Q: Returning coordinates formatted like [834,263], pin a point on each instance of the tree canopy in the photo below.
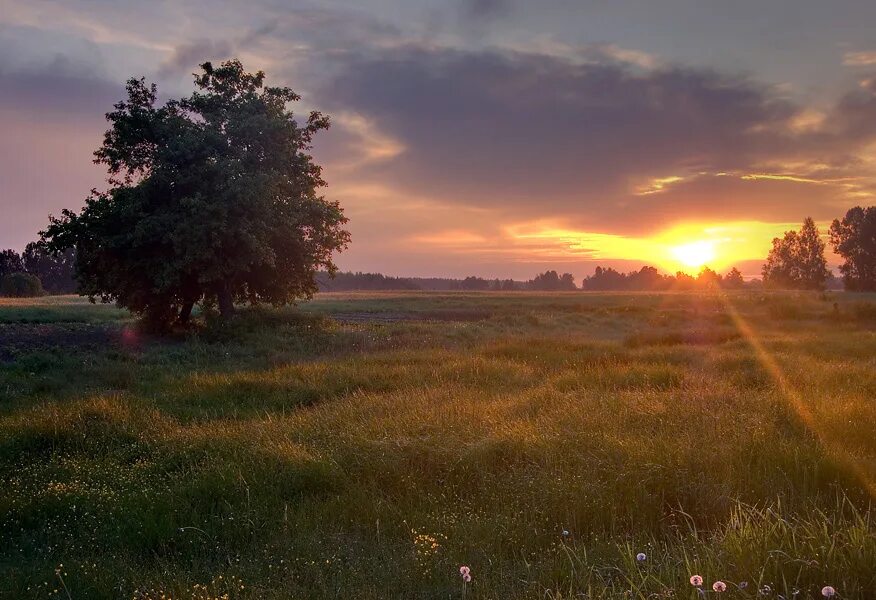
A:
[797,260]
[854,238]
[213,198]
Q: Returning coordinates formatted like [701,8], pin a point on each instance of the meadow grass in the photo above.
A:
[367,445]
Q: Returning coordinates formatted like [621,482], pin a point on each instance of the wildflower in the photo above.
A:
[719,586]
[565,533]
[765,590]
[743,585]
[696,580]
[463,570]
[466,577]
[828,592]
[641,556]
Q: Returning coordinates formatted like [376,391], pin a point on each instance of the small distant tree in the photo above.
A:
[604,279]
[854,238]
[779,270]
[20,285]
[473,283]
[708,278]
[812,263]
[733,279]
[214,197]
[10,262]
[56,270]
[683,281]
[551,281]
[646,279]
[797,260]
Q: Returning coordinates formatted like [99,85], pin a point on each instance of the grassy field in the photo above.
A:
[367,445]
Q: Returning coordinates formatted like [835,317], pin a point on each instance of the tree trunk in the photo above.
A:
[226,301]
[185,312]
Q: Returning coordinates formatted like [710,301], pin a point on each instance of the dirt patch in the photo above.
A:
[19,338]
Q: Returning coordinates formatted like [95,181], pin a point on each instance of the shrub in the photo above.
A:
[21,285]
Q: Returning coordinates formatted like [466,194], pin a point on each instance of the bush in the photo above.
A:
[21,285]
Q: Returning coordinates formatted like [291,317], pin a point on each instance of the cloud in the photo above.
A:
[860,59]
[524,134]
[439,138]
[185,58]
[484,10]
[61,89]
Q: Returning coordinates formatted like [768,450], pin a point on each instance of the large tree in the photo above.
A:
[854,238]
[797,260]
[213,197]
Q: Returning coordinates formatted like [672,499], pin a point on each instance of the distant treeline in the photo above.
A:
[348,281]
[604,279]
[36,271]
[649,279]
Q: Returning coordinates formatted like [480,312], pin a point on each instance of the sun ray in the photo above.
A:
[795,400]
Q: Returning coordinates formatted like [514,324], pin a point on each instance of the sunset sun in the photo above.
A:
[695,254]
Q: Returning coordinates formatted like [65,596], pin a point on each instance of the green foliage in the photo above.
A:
[854,238]
[797,261]
[20,285]
[213,199]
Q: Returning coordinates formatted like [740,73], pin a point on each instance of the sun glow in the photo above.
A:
[684,247]
[695,254]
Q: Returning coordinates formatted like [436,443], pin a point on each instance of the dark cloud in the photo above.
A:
[61,88]
[540,135]
[485,10]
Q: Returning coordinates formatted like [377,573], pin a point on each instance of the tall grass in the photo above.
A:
[545,445]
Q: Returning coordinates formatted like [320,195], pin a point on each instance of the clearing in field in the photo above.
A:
[369,445]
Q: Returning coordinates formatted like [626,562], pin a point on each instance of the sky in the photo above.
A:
[497,138]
